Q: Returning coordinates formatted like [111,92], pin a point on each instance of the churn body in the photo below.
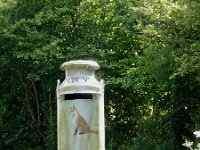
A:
[80,108]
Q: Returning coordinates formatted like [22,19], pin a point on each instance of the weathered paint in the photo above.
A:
[85,132]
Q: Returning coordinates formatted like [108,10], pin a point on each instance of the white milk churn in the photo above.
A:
[80,107]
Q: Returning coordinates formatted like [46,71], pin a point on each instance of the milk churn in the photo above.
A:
[80,107]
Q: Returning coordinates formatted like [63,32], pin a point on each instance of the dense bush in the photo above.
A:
[149,53]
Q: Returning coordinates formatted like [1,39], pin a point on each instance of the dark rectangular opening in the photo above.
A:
[78,96]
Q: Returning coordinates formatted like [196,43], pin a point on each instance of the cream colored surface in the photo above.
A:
[80,78]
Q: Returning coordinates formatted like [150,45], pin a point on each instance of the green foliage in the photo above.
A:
[149,57]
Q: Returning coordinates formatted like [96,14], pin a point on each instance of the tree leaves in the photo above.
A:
[149,57]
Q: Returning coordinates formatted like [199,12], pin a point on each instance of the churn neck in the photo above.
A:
[82,67]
